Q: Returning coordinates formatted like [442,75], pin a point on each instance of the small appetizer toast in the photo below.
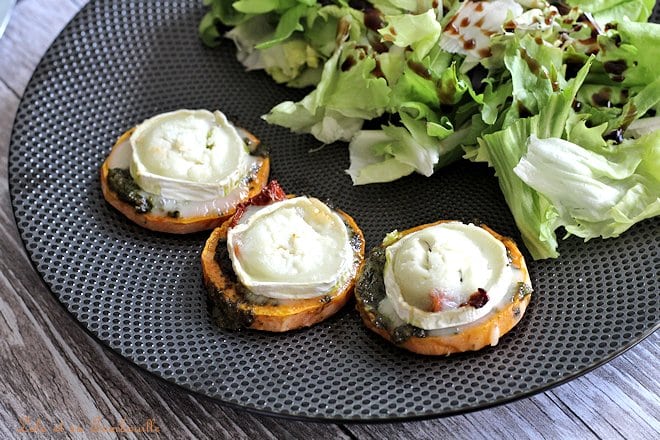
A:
[183,171]
[443,288]
[281,263]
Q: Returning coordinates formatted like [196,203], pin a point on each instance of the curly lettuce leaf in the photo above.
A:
[535,73]
[322,24]
[643,126]
[607,11]
[411,86]
[534,215]
[396,151]
[290,39]
[222,13]
[629,53]
[373,155]
[418,32]
[346,95]
[285,62]
[398,6]
[288,23]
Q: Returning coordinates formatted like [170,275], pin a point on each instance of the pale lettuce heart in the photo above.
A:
[641,127]
[594,194]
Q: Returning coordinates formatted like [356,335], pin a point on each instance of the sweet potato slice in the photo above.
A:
[178,225]
[474,336]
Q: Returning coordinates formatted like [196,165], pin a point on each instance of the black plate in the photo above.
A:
[140,293]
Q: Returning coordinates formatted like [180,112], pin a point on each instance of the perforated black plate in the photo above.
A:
[140,293]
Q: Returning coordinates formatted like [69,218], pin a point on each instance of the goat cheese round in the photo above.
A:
[446,275]
[191,155]
[293,249]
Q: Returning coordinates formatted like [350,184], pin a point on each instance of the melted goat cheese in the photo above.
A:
[294,249]
[439,268]
[192,155]
[190,198]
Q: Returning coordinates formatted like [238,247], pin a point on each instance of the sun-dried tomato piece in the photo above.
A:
[270,193]
[478,299]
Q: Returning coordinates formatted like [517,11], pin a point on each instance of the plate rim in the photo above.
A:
[374,419]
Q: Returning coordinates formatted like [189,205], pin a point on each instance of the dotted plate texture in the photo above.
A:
[141,293]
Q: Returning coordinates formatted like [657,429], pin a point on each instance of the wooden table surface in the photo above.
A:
[56,378]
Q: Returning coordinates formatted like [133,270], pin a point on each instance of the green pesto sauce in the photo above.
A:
[121,182]
[226,313]
[370,290]
[244,293]
[370,287]
[260,150]
[523,290]
[255,149]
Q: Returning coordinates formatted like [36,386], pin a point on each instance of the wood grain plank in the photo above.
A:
[89,381]
[39,350]
[534,417]
[8,105]
[619,387]
[32,28]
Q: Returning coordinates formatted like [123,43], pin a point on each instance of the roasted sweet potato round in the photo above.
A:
[370,290]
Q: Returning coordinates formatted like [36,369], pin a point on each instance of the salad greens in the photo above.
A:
[561,102]
[606,11]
